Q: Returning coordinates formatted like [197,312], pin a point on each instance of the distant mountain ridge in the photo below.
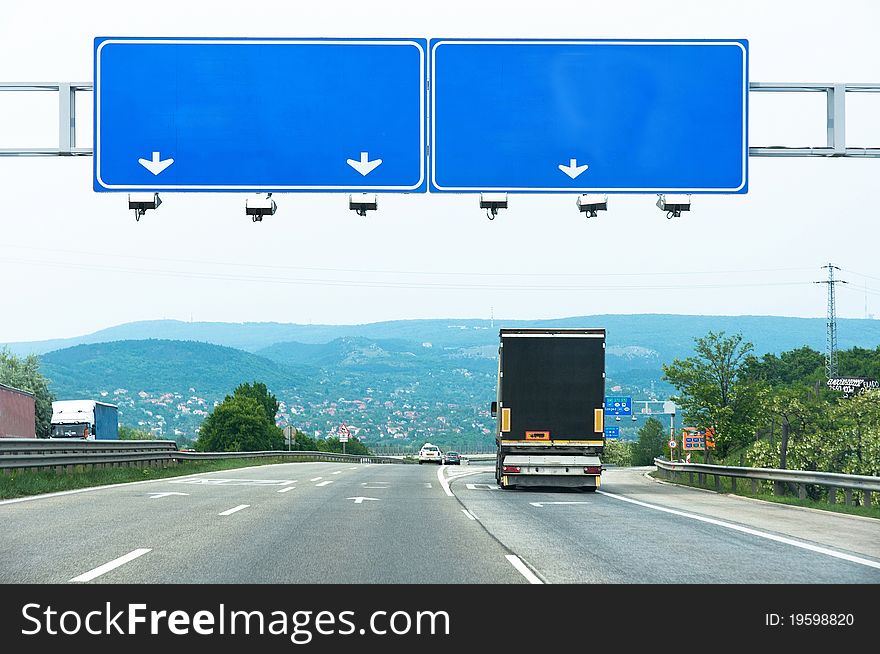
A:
[412,380]
[669,335]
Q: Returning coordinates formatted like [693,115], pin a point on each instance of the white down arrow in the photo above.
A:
[156,165]
[364,166]
[573,170]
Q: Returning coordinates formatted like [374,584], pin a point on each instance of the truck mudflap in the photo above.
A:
[566,471]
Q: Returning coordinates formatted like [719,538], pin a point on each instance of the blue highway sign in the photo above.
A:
[612,432]
[589,116]
[618,406]
[260,114]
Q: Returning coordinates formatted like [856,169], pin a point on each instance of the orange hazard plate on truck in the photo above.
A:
[537,435]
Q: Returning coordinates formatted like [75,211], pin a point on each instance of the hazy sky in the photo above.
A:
[73,261]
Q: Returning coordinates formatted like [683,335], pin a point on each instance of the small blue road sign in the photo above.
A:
[612,432]
[195,114]
[616,116]
[618,406]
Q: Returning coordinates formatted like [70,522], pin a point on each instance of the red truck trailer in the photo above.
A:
[17,413]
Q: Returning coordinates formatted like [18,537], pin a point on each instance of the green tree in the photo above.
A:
[127,433]
[239,424]
[618,453]
[261,394]
[715,390]
[651,443]
[303,443]
[24,373]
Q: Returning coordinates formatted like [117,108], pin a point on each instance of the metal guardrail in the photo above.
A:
[780,477]
[62,454]
[310,454]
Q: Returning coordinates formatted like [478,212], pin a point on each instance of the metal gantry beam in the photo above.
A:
[835,104]
[66,119]
[835,145]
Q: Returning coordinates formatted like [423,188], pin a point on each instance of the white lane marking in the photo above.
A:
[468,514]
[76,491]
[456,475]
[115,563]
[289,482]
[443,482]
[523,569]
[214,481]
[752,532]
[316,479]
[156,496]
[234,509]
[338,472]
[285,489]
[482,486]
[353,468]
[360,500]
[540,504]
[324,483]
[428,484]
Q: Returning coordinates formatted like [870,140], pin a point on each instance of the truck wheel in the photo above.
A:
[589,489]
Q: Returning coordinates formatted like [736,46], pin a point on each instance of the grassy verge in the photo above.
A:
[744,488]
[31,482]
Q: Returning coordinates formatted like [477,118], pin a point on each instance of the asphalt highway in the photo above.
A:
[365,524]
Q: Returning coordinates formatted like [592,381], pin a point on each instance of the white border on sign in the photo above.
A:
[221,187]
[580,189]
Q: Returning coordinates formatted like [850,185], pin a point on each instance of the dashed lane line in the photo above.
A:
[112,565]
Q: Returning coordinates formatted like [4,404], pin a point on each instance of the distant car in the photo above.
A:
[452,458]
[430,454]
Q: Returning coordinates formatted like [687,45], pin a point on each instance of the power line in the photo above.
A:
[391,284]
[406,272]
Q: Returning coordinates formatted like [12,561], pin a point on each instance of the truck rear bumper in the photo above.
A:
[556,481]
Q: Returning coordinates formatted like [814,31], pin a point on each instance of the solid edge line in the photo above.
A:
[443,482]
[107,567]
[765,502]
[523,569]
[468,514]
[234,509]
[752,532]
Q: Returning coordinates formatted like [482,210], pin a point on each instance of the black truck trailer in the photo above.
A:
[550,408]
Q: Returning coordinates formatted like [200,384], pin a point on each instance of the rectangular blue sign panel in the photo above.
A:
[260,114]
[612,432]
[589,116]
[618,406]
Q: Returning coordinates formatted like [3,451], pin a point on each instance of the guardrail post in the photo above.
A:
[832,495]
[733,484]
[867,501]
[802,491]
[847,496]
[718,483]
[754,486]
[690,477]
[778,488]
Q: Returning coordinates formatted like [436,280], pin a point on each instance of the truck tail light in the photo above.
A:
[592,470]
[512,469]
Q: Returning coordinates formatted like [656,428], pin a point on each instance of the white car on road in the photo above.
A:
[430,454]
